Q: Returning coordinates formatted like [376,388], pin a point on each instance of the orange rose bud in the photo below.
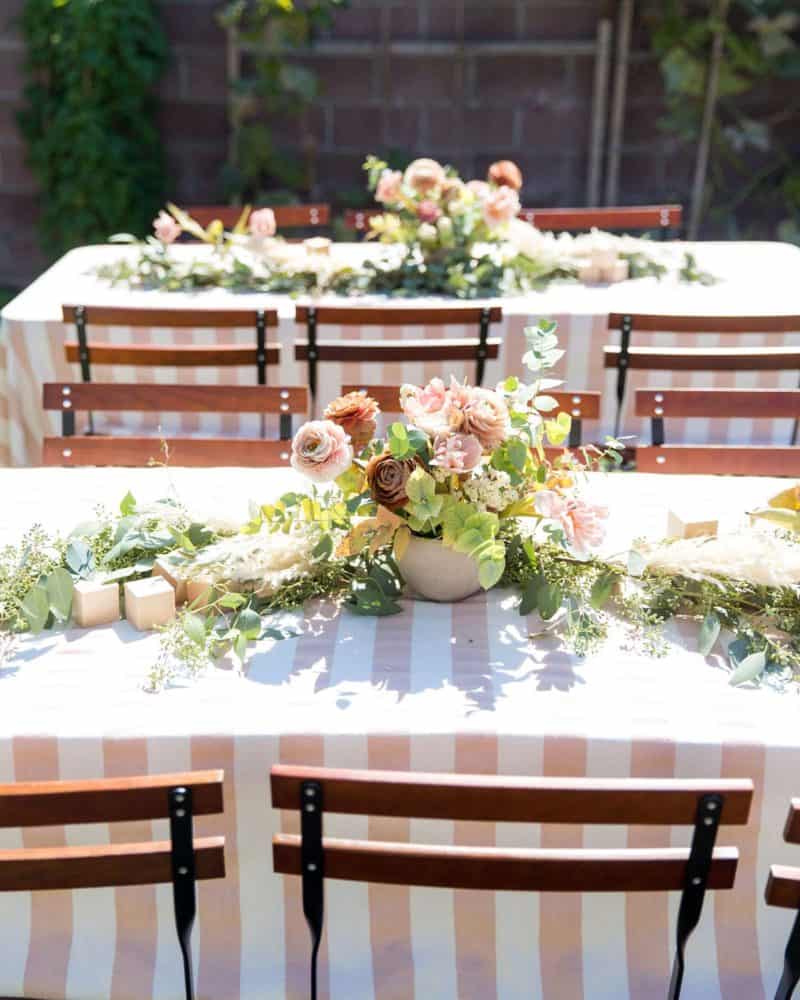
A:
[505,173]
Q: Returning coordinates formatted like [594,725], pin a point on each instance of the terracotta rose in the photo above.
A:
[387,477]
[505,173]
[355,412]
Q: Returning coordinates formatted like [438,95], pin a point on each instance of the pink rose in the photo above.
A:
[389,185]
[480,412]
[456,452]
[424,176]
[166,228]
[321,450]
[581,522]
[479,188]
[425,408]
[500,206]
[428,211]
[262,223]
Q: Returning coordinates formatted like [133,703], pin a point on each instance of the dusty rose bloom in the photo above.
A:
[505,173]
[428,211]
[426,407]
[389,185]
[355,412]
[480,412]
[321,450]
[166,228]
[424,176]
[452,189]
[456,452]
[500,206]
[582,523]
[262,222]
[387,477]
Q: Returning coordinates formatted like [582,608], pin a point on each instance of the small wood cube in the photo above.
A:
[201,588]
[619,271]
[603,258]
[95,603]
[589,274]
[685,525]
[163,567]
[149,603]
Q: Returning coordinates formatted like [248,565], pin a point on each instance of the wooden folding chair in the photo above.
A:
[315,791]
[480,349]
[580,405]
[182,860]
[286,216]
[733,460]
[75,397]
[624,357]
[663,219]
[783,889]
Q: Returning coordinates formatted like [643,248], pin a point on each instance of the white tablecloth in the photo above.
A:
[756,278]
[461,687]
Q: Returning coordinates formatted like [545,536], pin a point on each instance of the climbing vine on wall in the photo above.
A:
[755,156]
[272,91]
[89,116]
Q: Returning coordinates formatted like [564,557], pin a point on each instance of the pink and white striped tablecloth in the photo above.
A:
[755,278]
[466,687]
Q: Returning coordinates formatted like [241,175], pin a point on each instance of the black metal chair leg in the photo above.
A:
[791,964]
[183,877]
[622,368]
[312,860]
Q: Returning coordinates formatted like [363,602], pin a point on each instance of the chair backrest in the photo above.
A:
[77,397]
[315,791]
[630,323]
[666,218]
[85,353]
[181,860]
[580,405]
[480,349]
[755,460]
[783,889]
[286,216]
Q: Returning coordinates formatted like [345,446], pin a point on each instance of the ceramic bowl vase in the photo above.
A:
[437,573]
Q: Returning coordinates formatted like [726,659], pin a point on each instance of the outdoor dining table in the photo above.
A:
[754,279]
[468,687]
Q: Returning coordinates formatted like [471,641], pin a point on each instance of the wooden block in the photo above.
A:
[200,587]
[686,525]
[603,258]
[95,603]
[589,274]
[164,568]
[149,603]
[618,271]
[320,245]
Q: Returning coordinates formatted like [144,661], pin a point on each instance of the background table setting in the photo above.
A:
[471,687]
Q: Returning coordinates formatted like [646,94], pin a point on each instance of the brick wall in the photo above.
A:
[467,106]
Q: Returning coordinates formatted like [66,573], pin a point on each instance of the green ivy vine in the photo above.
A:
[753,173]
[89,116]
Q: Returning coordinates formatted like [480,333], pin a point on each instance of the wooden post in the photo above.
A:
[619,99]
[709,109]
[599,110]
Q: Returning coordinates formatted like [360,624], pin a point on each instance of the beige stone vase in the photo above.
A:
[435,573]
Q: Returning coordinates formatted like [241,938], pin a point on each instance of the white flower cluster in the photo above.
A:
[491,489]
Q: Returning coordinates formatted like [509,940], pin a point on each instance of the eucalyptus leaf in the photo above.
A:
[549,599]
[127,505]
[530,596]
[59,593]
[194,627]
[79,559]
[709,633]
[750,668]
[602,589]
[35,607]
[249,623]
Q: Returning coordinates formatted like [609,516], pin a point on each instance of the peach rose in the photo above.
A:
[505,173]
[387,477]
[582,523]
[479,412]
[321,450]
[425,408]
[428,211]
[456,452]
[166,228]
[262,223]
[500,206]
[355,412]
[389,185]
[424,176]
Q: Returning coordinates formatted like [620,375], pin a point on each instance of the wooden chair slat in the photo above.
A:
[153,397]
[105,800]
[398,315]
[694,359]
[198,318]
[505,869]
[286,216]
[723,460]
[707,324]
[613,217]
[585,405]
[135,452]
[509,799]
[174,356]
[783,887]
[50,868]
[397,350]
[791,833]
[753,403]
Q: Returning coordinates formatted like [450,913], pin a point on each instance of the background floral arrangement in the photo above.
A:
[443,237]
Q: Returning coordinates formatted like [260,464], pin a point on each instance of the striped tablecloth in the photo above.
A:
[756,278]
[450,688]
